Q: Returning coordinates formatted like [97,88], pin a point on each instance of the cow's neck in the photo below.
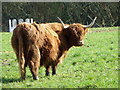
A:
[64,45]
[65,42]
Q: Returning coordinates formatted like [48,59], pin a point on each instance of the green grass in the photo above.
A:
[94,65]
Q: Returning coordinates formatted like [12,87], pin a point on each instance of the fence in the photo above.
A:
[14,22]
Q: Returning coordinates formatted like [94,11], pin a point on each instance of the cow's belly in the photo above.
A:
[48,56]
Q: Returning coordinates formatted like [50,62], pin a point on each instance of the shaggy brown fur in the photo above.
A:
[44,44]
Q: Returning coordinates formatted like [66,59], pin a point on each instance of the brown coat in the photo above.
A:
[44,44]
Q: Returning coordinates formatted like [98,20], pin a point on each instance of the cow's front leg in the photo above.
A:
[54,69]
[47,71]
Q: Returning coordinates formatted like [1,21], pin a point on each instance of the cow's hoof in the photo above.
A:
[47,74]
[23,78]
[54,74]
[36,78]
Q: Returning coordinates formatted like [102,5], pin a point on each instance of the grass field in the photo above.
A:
[94,65]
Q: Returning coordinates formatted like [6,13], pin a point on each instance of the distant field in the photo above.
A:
[94,65]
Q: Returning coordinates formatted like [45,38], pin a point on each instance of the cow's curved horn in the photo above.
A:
[63,23]
[91,24]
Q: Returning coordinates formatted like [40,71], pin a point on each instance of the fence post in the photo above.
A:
[20,20]
[31,20]
[10,26]
[27,20]
[13,23]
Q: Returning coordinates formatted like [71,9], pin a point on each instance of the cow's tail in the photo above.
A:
[21,58]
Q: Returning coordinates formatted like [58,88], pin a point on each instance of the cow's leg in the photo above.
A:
[34,69]
[21,62]
[21,59]
[54,69]
[20,56]
[47,71]
[22,70]
[34,63]
[22,66]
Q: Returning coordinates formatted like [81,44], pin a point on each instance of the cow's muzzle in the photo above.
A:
[81,43]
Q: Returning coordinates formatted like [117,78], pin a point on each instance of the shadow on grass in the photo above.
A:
[90,86]
[10,80]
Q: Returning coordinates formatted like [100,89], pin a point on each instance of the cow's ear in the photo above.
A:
[86,30]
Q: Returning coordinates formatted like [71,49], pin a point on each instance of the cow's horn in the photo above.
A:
[91,24]
[63,23]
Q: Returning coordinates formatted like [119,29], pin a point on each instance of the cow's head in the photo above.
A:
[76,32]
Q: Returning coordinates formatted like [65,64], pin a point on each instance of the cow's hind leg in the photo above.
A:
[34,61]
[19,56]
[22,69]
[21,61]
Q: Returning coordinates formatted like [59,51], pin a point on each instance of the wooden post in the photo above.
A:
[10,26]
[20,20]
[27,20]
[13,23]
[31,20]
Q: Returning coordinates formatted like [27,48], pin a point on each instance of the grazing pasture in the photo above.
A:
[94,65]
